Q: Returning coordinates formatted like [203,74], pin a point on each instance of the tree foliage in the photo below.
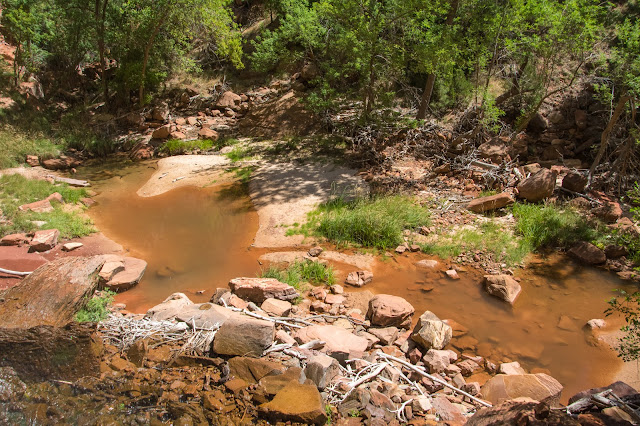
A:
[135,44]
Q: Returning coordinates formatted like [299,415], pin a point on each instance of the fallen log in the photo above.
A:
[72,182]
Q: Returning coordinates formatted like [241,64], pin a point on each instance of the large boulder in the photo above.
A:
[170,307]
[258,290]
[39,336]
[588,253]
[540,387]
[241,335]
[229,100]
[521,412]
[503,287]
[52,294]
[492,202]
[431,332]
[161,132]
[538,186]
[574,181]
[339,343]
[296,403]
[386,310]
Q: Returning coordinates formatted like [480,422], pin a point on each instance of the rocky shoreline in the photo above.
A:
[251,355]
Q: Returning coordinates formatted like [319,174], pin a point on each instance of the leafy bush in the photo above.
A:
[376,222]
[239,153]
[96,308]
[549,226]
[629,306]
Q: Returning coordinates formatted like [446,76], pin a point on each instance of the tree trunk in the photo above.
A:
[426,97]
[604,139]
[100,16]
[431,78]
[147,51]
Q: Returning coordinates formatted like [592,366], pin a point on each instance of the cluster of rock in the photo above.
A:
[276,350]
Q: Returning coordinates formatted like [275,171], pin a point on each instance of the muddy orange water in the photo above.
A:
[197,239]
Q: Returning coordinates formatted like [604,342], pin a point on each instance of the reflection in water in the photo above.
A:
[197,239]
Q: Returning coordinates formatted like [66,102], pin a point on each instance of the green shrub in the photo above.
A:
[15,147]
[239,153]
[177,146]
[96,308]
[549,226]
[301,271]
[376,222]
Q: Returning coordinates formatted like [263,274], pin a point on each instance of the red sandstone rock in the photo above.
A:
[491,202]
[386,310]
[538,186]
[44,240]
[339,343]
[503,287]
[359,278]
[14,240]
[588,253]
[258,290]
[540,387]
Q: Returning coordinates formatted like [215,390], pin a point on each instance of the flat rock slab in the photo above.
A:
[492,202]
[128,277]
[296,403]
[171,307]
[283,194]
[204,315]
[339,343]
[185,170]
[52,294]
[540,387]
[258,290]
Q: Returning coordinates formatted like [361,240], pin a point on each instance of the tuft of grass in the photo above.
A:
[373,222]
[96,308]
[239,153]
[548,226]
[243,173]
[494,242]
[16,190]
[301,271]
[177,146]
[14,147]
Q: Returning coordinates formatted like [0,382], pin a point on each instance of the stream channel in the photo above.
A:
[197,239]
